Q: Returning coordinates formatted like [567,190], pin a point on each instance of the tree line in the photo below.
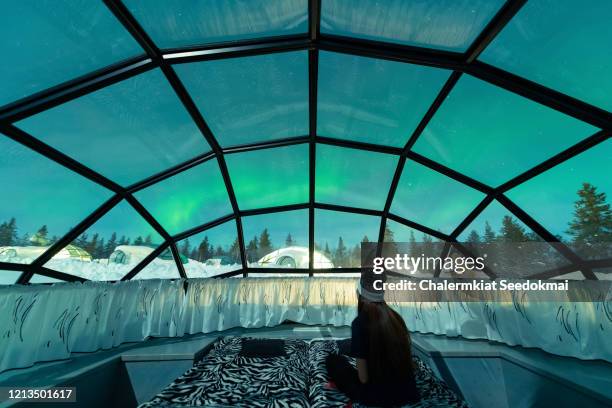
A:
[591,224]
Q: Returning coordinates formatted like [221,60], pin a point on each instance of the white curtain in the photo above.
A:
[42,323]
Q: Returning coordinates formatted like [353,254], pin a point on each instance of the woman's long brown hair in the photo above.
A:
[390,356]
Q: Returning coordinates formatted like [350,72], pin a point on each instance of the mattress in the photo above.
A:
[247,372]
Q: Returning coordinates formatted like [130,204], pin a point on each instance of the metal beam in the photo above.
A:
[244,48]
[55,155]
[545,234]
[172,171]
[494,27]
[559,158]
[75,88]
[429,231]
[446,88]
[72,235]
[177,258]
[148,259]
[201,228]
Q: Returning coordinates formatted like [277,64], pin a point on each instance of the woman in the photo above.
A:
[381,344]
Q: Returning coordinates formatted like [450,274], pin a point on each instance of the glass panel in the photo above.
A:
[341,181]
[211,252]
[110,248]
[9,277]
[51,41]
[162,267]
[512,248]
[44,279]
[561,45]
[191,198]
[401,239]
[41,202]
[572,200]
[270,177]
[338,236]
[179,23]
[373,100]
[127,131]
[251,99]
[433,199]
[447,24]
[492,135]
[277,240]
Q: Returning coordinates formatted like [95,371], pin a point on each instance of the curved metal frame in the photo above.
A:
[313,41]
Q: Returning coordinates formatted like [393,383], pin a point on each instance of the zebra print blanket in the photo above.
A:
[225,378]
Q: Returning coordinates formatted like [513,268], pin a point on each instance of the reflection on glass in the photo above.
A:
[482,131]
[338,236]
[41,202]
[126,131]
[447,25]
[178,23]
[211,252]
[50,42]
[351,177]
[191,198]
[433,199]
[571,60]
[373,100]
[279,240]
[512,249]
[110,248]
[9,277]
[270,177]
[251,99]
[572,200]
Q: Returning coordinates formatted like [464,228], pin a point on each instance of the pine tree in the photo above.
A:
[204,250]
[340,255]
[148,240]
[100,249]
[327,252]
[81,241]
[289,240]
[428,246]
[252,250]
[185,247]
[473,238]
[592,222]
[8,233]
[92,246]
[219,251]
[234,250]
[389,235]
[489,235]
[265,245]
[512,230]
[110,245]
[413,247]
[138,240]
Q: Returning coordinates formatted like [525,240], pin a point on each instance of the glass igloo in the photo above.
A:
[180,140]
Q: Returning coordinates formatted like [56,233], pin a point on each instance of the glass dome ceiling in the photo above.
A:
[188,139]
